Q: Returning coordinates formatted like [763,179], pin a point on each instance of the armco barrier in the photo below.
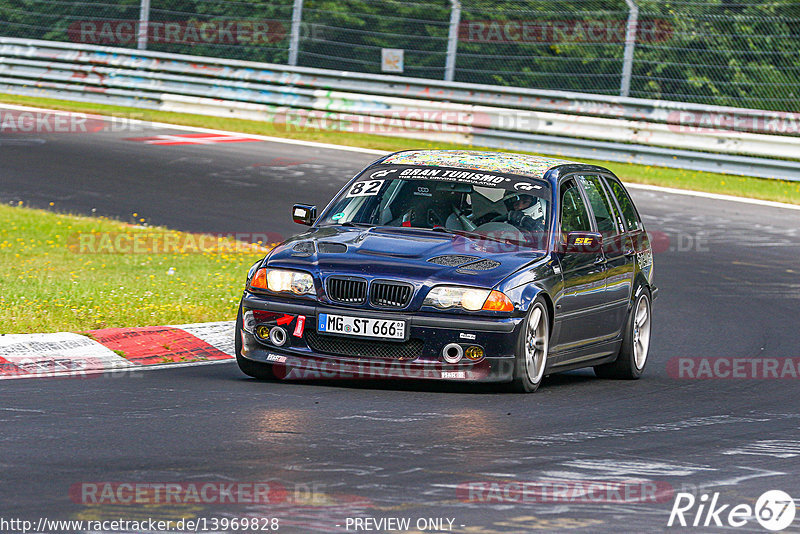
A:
[682,135]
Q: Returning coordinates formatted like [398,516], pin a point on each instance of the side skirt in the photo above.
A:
[585,357]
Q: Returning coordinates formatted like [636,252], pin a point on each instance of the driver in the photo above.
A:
[524,211]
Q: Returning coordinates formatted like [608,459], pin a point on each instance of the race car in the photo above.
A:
[456,265]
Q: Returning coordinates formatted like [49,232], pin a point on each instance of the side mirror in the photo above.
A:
[583,242]
[304,214]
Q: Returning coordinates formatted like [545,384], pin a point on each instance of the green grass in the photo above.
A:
[52,281]
[776,190]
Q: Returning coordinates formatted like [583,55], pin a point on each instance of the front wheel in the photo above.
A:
[632,357]
[533,344]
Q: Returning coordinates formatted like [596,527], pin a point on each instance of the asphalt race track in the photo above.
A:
[730,288]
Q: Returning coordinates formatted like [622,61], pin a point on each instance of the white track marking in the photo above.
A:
[775,448]
[65,354]
[715,196]
[627,468]
[59,354]
[219,335]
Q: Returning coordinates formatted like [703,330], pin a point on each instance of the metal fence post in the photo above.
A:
[630,43]
[144,23]
[452,40]
[294,42]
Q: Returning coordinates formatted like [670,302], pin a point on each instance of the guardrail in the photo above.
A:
[682,135]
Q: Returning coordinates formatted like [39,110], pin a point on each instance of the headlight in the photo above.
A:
[278,280]
[445,297]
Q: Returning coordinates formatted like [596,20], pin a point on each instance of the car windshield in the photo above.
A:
[493,206]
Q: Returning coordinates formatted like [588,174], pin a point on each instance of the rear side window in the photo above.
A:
[574,217]
[601,204]
[625,204]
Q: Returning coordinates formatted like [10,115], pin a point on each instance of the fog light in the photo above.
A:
[474,353]
[262,332]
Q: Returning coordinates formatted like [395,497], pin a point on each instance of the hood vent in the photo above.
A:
[452,260]
[483,265]
[303,249]
[331,248]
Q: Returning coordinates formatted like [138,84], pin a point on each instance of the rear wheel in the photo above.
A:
[632,357]
[261,371]
[533,345]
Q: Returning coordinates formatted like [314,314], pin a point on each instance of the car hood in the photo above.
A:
[419,256]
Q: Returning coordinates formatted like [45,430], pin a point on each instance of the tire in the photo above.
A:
[533,344]
[261,371]
[632,357]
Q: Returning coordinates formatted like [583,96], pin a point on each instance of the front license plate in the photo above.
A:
[361,326]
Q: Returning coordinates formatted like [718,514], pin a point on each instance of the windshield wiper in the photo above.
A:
[358,224]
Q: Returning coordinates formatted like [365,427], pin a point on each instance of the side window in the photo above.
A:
[574,217]
[601,205]
[625,204]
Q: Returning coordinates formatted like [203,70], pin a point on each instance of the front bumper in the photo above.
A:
[303,356]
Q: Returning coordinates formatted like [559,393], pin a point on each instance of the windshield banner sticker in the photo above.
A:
[454,175]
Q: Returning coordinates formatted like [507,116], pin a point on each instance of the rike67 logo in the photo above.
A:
[774,510]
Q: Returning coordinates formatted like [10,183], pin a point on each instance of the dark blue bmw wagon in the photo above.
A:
[456,265]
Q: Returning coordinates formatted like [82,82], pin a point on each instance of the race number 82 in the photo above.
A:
[365,189]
